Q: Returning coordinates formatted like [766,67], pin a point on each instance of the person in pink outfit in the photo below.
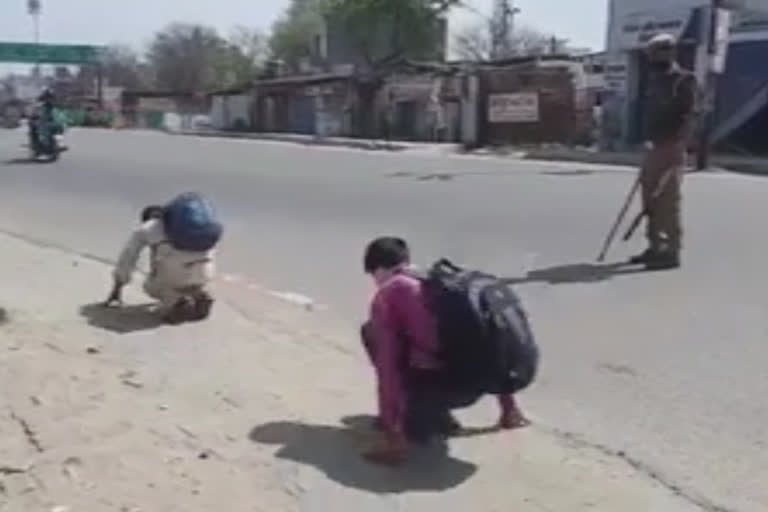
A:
[400,338]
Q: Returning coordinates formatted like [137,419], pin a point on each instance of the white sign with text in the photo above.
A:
[518,107]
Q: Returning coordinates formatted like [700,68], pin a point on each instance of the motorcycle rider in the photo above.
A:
[43,117]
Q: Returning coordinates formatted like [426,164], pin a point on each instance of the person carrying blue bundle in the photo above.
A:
[182,237]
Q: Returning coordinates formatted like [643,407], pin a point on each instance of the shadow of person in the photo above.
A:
[366,423]
[23,161]
[336,451]
[576,273]
[123,320]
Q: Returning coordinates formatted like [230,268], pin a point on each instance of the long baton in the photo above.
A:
[619,219]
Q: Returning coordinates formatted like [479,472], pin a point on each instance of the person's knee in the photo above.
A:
[160,292]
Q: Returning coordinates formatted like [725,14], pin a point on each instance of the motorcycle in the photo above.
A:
[45,139]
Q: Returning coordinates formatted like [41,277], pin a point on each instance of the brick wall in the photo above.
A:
[560,120]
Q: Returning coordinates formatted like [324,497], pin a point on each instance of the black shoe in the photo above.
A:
[663,261]
[642,258]
[201,309]
[180,312]
[449,426]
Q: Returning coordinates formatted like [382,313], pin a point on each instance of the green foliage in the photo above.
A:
[291,38]
[388,29]
[381,30]
[193,58]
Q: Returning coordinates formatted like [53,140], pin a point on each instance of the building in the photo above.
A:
[534,100]
[341,90]
[631,23]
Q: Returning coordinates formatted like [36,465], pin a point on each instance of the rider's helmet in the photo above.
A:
[46,96]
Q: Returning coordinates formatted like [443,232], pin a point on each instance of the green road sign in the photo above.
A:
[30,53]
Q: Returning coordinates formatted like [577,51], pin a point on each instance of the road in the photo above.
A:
[667,368]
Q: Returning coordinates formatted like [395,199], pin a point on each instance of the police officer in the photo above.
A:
[670,104]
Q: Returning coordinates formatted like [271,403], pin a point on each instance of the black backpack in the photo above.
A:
[486,341]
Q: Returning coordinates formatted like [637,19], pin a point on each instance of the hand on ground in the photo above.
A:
[513,421]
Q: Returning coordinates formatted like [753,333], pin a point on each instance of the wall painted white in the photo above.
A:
[227,109]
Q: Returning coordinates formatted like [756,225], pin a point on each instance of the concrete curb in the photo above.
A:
[307,140]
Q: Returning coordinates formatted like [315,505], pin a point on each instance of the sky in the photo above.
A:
[101,22]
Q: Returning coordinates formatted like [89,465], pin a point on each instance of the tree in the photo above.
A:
[121,67]
[251,43]
[291,38]
[386,30]
[193,58]
[380,31]
[475,42]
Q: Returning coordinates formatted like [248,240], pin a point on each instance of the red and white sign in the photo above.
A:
[518,107]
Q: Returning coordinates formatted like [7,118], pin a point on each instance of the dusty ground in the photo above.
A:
[102,412]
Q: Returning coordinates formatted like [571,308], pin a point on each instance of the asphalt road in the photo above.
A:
[668,368]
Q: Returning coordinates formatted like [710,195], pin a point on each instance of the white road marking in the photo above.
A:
[294,298]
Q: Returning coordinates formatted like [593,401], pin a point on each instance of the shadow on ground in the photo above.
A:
[434,176]
[24,161]
[124,320]
[336,451]
[576,273]
[572,173]
[749,169]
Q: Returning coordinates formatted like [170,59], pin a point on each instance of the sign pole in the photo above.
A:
[100,85]
[717,50]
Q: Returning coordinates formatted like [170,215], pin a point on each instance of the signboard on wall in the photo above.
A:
[518,107]
[638,28]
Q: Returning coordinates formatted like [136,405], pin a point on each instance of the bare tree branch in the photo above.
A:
[475,42]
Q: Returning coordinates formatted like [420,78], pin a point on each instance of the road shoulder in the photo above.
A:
[111,413]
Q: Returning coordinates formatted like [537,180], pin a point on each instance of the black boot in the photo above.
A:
[642,258]
[201,310]
[667,260]
[449,426]
[180,312]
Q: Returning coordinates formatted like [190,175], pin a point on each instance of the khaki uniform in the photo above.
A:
[173,274]
[664,228]
[671,103]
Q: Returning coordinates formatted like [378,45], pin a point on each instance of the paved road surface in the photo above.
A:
[668,368]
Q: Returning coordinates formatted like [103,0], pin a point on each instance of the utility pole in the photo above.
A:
[503,28]
[34,7]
